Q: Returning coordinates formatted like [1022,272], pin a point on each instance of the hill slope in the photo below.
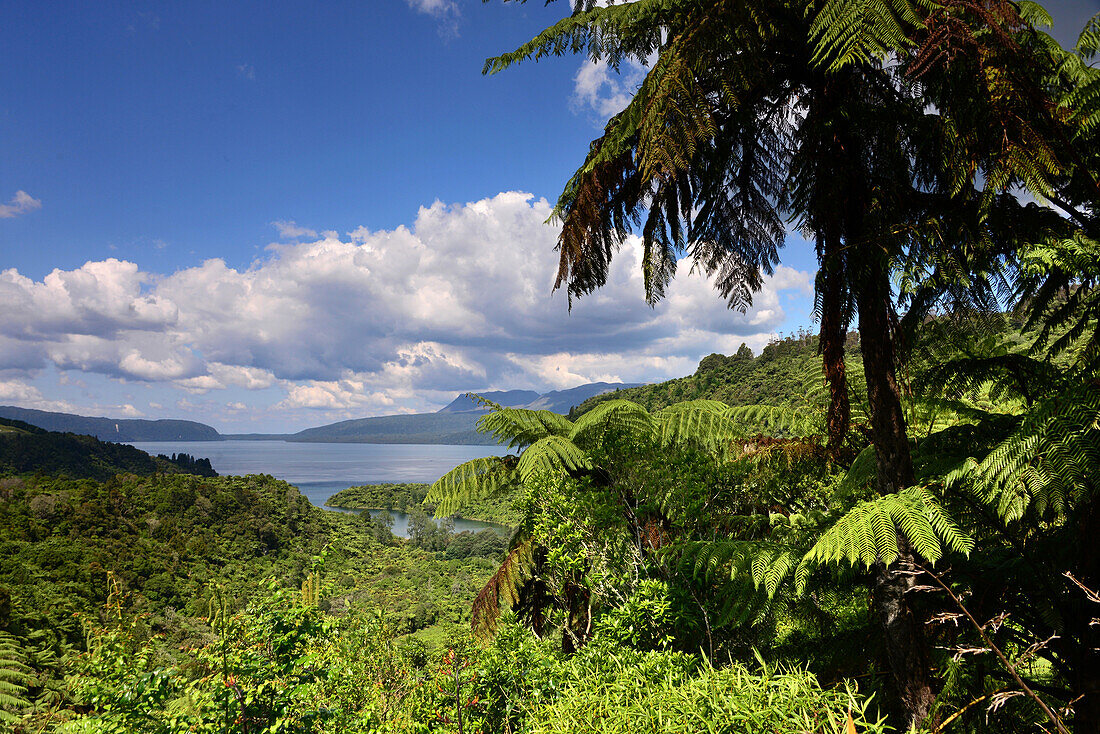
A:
[444,428]
[780,372]
[25,449]
[113,429]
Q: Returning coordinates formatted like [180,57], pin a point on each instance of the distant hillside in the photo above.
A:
[558,401]
[113,429]
[443,428]
[454,424]
[772,378]
[25,449]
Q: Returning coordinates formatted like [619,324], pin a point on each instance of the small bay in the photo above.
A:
[320,470]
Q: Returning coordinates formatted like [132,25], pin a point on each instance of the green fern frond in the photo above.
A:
[610,33]
[868,533]
[848,32]
[476,479]
[551,456]
[15,676]
[503,587]
[780,421]
[1048,463]
[519,427]
[613,417]
[703,422]
[766,564]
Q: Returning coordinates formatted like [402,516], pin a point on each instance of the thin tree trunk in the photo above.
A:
[1085,636]
[833,338]
[902,624]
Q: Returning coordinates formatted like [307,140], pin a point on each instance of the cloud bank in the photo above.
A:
[372,322]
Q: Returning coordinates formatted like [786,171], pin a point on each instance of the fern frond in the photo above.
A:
[850,32]
[551,456]
[868,533]
[15,676]
[703,422]
[1048,463]
[476,479]
[766,564]
[503,587]
[780,421]
[520,427]
[616,417]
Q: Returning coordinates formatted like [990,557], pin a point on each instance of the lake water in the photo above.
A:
[320,470]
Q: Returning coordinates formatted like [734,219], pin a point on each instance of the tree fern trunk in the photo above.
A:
[1083,634]
[902,624]
[833,337]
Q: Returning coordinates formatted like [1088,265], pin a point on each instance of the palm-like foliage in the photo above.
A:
[14,678]
[868,533]
[553,448]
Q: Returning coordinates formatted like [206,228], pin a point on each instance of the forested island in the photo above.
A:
[886,525]
[413,497]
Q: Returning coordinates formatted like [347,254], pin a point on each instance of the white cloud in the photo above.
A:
[437,8]
[21,203]
[599,89]
[246,71]
[446,13]
[289,230]
[377,321]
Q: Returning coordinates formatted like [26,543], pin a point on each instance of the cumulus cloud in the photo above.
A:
[289,230]
[21,203]
[379,321]
[599,89]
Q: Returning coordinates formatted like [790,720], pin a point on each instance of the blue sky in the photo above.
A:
[267,216]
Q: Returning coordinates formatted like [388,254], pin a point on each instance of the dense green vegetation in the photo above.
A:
[27,448]
[383,496]
[902,534]
[776,377]
[411,497]
[159,549]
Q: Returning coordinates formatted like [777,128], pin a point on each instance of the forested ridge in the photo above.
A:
[776,376]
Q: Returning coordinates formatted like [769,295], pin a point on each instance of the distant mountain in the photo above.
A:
[562,401]
[453,424]
[113,429]
[507,398]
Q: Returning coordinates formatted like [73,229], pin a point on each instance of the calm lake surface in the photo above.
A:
[320,470]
